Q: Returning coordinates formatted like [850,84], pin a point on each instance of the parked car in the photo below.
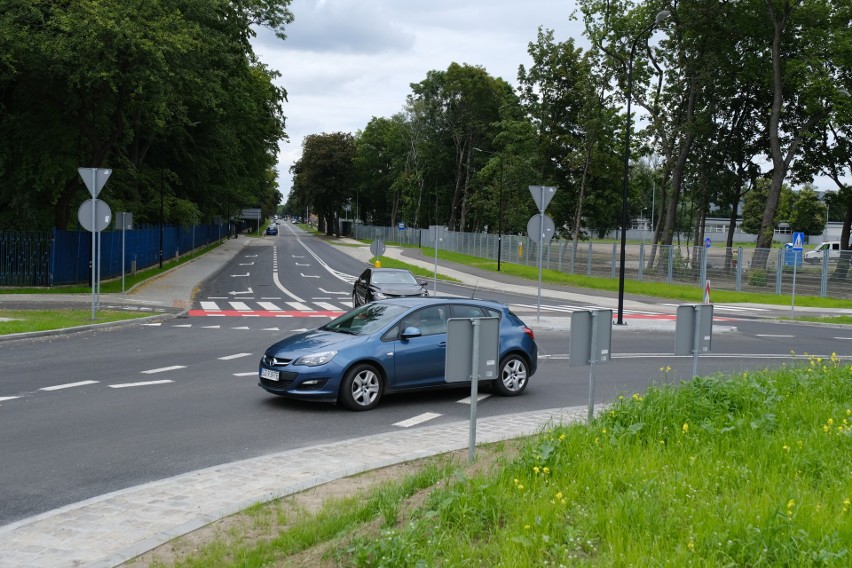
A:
[381,283]
[815,256]
[390,346]
[272,230]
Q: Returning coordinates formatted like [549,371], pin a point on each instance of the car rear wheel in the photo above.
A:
[514,375]
[361,388]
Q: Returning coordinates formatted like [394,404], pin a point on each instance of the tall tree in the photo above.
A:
[325,174]
[172,84]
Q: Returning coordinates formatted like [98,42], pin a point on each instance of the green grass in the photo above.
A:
[633,287]
[23,321]
[745,470]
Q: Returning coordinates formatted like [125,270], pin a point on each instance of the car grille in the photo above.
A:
[275,361]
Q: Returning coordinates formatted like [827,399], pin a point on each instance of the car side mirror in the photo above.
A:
[423,283]
[410,331]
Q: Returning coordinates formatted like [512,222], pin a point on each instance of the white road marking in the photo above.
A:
[163,369]
[246,275]
[69,385]
[235,356]
[339,293]
[271,329]
[300,307]
[4,398]
[773,336]
[309,275]
[425,417]
[142,384]
[211,327]
[183,325]
[252,374]
[210,306]
[242,328]
[270,306]
[847,338]
[158,324]
[479,397]
[327,306]
[240,306]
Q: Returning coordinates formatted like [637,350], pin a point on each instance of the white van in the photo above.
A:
[815,256]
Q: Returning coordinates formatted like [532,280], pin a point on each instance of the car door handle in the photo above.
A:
[443,345]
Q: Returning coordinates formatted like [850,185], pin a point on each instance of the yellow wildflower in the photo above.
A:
[685,428]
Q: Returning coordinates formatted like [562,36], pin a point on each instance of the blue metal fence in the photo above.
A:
[63,257]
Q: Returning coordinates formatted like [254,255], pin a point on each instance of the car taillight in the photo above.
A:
[529,332]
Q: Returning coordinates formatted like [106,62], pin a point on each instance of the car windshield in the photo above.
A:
[365,320]
[393,278]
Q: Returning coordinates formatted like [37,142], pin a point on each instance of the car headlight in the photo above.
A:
[316,359]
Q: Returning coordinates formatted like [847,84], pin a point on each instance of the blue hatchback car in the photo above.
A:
[389,346]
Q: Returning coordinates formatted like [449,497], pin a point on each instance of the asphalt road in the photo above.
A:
[94,412]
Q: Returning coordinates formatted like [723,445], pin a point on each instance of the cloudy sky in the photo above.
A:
[346,61]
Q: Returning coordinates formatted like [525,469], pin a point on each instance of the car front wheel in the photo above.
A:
[361,388]
[514,375]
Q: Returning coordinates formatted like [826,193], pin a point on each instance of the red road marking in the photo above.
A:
[265,313]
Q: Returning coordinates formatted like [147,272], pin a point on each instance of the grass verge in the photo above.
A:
[744,470]
[23,321]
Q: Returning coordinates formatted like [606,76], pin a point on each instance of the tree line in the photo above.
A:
[168,94]
[739,102]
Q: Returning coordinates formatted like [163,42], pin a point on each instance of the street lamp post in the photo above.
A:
[499,206]
[161,217]
[624,209]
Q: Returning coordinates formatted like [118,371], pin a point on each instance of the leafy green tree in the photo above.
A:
[168,94]
[460,105]
[807,212]
[325,174]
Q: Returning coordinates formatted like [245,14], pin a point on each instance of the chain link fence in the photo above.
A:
[768,271]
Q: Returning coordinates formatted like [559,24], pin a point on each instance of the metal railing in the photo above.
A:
[768,271]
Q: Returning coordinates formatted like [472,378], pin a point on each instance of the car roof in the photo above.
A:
[389,270]
[433,300]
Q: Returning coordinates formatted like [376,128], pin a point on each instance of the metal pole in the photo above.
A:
[592,361]
[94,229]
[474,386]
[500,216]
[624,209]
[696,341]
[540,246]
[161,217]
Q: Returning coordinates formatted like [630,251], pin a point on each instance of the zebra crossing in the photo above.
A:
[329,307]
[271,307]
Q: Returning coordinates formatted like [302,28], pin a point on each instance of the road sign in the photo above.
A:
[377,248]
[95,179]
[707,242]
[102,217]
[542,194]
[540,228]
[798,241]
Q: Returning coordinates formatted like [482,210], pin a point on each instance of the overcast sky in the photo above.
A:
[346,61]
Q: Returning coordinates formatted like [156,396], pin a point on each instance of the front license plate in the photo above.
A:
[267,374]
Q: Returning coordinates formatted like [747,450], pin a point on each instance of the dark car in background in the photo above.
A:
[383,283]
[272,230]
[389,346]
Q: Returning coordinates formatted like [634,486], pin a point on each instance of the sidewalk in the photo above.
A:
[110,529]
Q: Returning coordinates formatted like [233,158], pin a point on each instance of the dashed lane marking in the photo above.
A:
[234,356]
[69,385]
[163,369]
[414,421]
[142,384]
